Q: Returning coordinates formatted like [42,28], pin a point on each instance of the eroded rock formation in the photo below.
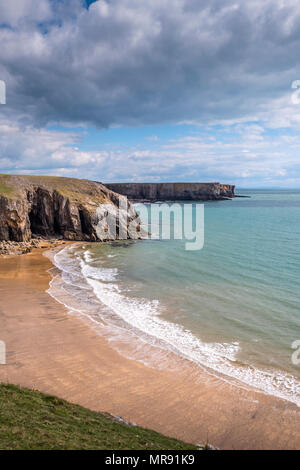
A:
[174,191]
[60,207]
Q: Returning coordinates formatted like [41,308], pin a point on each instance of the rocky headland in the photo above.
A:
[58,208]
[174,191]
[38,208]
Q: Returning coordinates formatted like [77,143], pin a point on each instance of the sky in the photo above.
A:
[152,90]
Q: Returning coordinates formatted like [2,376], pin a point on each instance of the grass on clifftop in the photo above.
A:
[78,190]
[5,190]
[32,420]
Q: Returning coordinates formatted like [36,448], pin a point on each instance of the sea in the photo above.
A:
[231,307]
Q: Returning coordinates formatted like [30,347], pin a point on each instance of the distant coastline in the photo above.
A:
[153,192]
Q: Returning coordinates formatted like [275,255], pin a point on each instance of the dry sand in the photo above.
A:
[52,351]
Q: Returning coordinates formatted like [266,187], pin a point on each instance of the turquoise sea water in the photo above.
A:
[232,306]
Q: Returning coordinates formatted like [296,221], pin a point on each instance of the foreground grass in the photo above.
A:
[32,420]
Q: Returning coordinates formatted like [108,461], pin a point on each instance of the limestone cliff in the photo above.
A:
[58,207]
[174,191]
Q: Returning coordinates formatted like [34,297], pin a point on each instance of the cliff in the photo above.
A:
[174,191]
[58,207]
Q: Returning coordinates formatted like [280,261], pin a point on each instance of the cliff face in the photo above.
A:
[173,191]
[59,207]
[227,191]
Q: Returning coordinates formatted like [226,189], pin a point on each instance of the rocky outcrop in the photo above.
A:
[21,248]
[174,191]
[227,191]
[17,248]
[63,208]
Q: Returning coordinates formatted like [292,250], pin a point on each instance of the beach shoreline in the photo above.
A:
[55,352]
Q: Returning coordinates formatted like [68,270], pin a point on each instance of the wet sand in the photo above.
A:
[54,352]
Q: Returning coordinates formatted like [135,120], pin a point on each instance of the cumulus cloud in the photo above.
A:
[110,63]
[127,62]
[20,12]
[246,157]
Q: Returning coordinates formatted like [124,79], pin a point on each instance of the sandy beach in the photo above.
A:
[52,351]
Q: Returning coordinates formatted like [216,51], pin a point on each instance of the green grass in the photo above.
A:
[77,190]
[32,420]
[5,190]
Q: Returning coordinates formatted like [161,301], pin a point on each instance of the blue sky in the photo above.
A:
[124,90]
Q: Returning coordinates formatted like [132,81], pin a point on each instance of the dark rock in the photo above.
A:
[174,191]
[62,208]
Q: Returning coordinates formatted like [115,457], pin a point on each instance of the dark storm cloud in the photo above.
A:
[127,62]
[226,64]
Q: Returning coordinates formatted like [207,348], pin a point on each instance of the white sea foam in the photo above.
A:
[101,274]
[142,318]
[87,256]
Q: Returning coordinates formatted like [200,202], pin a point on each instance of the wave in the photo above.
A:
[92,290]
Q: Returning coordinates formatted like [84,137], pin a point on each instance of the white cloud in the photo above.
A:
[126,62]
[21,11]
[191,158]
[131,62]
